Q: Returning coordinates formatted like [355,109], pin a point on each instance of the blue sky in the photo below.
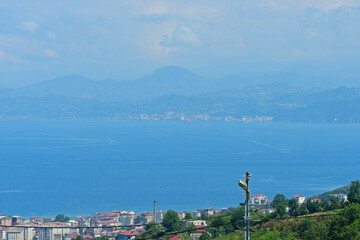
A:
[42,39]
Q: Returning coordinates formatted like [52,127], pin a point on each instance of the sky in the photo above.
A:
[42,39]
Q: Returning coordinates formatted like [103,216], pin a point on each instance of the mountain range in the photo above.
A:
[174,93]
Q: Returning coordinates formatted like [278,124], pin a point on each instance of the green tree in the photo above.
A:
[354,193]
[293,208]
[205,236]
[303,210]
[150,226]
[310,230]
[334,203]
[281,210]
[221,225]
[188,216]
[279,199]
[237,217]
[61,218]
[313,206]
[268,235]
[346,226]
[171,221]
[153,230]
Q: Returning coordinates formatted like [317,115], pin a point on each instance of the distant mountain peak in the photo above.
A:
[172,69]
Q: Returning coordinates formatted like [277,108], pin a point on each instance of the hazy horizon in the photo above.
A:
[126,40]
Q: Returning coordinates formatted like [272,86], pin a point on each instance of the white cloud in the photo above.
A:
[182,36]
[51,35]
[50,53]
[29,26]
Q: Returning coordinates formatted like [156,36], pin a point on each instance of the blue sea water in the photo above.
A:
[77,167]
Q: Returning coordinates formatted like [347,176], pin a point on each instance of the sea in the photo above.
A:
[76,167]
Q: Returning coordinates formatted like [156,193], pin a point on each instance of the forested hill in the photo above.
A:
[326,195]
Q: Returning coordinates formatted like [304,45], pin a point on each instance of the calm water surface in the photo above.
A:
[77,167]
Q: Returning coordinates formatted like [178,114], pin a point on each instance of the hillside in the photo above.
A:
[326,195]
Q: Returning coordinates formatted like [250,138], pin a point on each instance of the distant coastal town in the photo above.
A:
[122,225]
[169,116]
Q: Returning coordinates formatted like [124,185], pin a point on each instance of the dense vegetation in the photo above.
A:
[311,220]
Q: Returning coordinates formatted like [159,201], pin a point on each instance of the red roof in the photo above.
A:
[72,235]
[201,228]
[258,195]
[128,233]
[175,238]
[298,196]
[87,237]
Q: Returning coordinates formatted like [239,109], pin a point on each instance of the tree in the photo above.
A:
[354,193]
[303,210]
[309,230]
[188,216]
[335,203]
[221,225]
[205,236]
[281,210]
[293,208]
[150,226]
[171,221]
[61,218]
[279,199]
[153,230]
[313,206]
[347,224]
[237,217]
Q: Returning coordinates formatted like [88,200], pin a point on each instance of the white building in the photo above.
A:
[196,214]
[44,233]
[159,216]
[29,233]
[181,215]
[127,218]
[258,199]
[207,211]
[14,234]
[2,233]
[341,197]
[186,223]
[299,198]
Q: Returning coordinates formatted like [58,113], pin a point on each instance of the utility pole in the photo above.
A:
[245,186]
